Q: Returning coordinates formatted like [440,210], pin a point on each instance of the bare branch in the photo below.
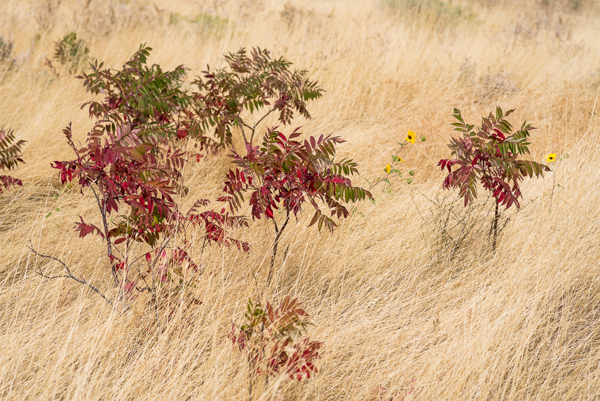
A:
[69,275]
[258,122]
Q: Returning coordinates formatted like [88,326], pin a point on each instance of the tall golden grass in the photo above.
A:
[408,307]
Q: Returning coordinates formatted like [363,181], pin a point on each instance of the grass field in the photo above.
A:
[407,297]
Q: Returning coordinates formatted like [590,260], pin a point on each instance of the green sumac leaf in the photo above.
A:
[315,217]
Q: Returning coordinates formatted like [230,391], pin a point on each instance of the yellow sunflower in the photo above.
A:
[551,157]
[388,168]
[410,137]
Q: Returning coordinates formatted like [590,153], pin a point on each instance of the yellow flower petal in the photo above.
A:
[411,136]
[551,157]
[388,168]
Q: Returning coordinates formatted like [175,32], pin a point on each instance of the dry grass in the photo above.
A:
[397,303]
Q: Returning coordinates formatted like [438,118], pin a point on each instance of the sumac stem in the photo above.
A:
[278,233]
[102,209]
[495,225]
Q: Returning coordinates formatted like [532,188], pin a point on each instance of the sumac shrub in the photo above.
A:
[135,176]
[490,155]
[71,52]
[10,157]
[274,341]
[287,173]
